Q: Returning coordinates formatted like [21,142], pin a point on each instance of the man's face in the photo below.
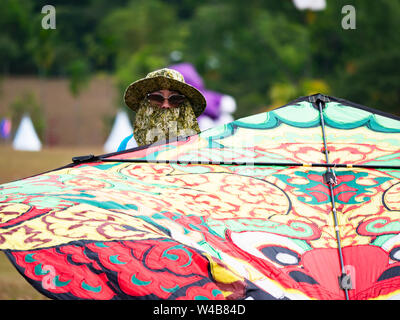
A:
[164,114]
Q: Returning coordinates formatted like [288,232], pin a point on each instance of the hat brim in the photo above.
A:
[137,91]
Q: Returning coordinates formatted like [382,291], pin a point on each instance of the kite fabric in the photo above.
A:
[301,202]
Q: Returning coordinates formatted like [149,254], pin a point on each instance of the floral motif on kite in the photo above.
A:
[120,230]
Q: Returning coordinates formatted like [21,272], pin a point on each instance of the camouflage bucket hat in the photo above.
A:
[168,79]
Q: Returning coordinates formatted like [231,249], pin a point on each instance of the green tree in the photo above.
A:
[79,77]
[244,49]
[15,32]
[142,37]
[361,65]
[261,52]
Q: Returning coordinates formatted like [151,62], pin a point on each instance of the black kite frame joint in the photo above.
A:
[84,159]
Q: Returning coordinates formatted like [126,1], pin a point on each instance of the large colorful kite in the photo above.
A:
[302,202]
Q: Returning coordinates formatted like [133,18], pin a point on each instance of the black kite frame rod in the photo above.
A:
[330,179]
[239,163]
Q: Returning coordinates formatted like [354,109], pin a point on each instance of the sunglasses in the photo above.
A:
[174,100]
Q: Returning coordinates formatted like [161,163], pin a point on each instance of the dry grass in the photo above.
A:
[16,165]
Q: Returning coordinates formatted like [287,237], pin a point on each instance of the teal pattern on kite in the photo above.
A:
[301,202]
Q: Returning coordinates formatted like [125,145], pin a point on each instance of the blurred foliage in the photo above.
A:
[79,75]
[263,53]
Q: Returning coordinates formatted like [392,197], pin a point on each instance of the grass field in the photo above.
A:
[16,165]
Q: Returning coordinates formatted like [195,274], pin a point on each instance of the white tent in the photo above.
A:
[26,138]
[121,129]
